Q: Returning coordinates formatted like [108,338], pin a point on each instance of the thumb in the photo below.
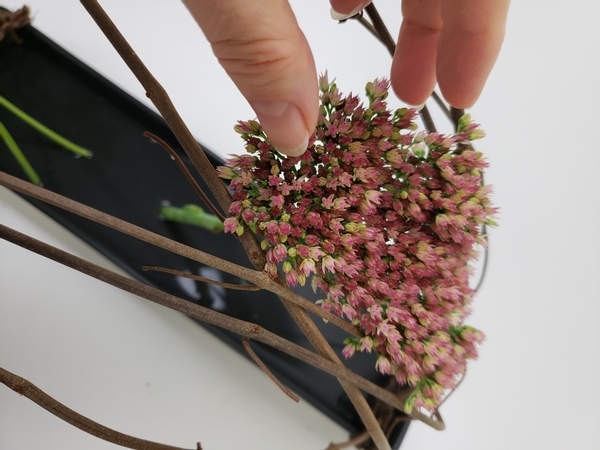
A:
[261,48]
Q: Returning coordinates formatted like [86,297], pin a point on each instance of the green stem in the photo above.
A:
[192,215]
[19,156]
[45,130]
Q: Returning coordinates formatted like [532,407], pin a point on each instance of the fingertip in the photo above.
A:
[457,95]
[416,107]
[297,150]
[344,9]
[413,95]
[413,74]
[284,124]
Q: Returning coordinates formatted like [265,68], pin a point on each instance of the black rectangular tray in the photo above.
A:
[129,177]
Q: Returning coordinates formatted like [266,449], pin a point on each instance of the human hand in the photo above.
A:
[259,44]
[452,42]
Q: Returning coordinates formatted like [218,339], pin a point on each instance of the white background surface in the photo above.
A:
[154,374]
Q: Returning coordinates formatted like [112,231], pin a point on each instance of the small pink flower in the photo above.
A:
[303,251]
[366,344]
[383,365]
[279,252]
[272,227]
[230,225]
[274,180]
[284,228]
[248,215]
[314,219]
[226,173]
[277,201]
[336,225]
[235,208]
[311,240]
[328,264]
[307,267]
[315,253]
[378,88]
[349,311]
[327,202]
[348,351]
[291,278]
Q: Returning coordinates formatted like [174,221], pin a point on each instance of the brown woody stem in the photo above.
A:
[179,273]
[265,369]
[255,277]
[186,173]
[159,97]
[386,39]
[382,31]
[353,442]
[35,394]
[156,93]
[246,329]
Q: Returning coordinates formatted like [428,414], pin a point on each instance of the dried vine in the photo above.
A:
[23,387]
[10,22]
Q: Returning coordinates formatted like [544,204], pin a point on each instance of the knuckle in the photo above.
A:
[255,57]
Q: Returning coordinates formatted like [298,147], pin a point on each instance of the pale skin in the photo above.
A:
[451,43]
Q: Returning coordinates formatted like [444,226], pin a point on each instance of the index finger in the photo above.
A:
[469,44]
[452,42]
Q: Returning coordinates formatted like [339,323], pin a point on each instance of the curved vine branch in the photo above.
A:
[179,273]
[265,369]
[32,392]
[186,173]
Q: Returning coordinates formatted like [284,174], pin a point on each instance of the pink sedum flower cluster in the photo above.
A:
[384,220]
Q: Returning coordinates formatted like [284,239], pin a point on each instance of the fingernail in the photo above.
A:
[417,107]
[341,16]
[284,125]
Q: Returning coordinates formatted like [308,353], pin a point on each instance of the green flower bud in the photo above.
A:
[287,266]
[301,279]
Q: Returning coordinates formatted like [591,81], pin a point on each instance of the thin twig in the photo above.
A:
[441,105]
[395,422]
[179,273]
[427,120]
[382,31]
[259,363]
[247,329]
[452,391]
[365,23]
[455,115]
[355,441]
[12,21]
[256,277]
[35,394]
[384,36]
[159,97]
[486,258]
[187,174]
